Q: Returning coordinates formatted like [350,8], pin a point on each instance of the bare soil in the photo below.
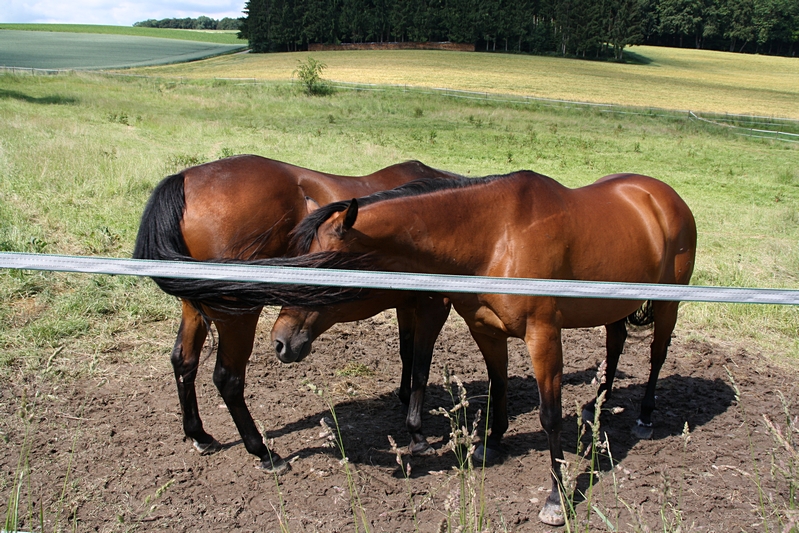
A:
[106,452]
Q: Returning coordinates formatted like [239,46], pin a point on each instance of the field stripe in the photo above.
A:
[395,280]
[48,50]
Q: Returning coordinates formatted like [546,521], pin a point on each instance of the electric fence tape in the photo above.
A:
[395,280]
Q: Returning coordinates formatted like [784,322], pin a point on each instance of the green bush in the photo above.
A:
[309,73]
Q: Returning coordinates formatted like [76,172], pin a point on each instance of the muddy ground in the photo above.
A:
[117,436]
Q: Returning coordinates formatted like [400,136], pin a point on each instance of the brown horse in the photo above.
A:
[242,209]
[623,228]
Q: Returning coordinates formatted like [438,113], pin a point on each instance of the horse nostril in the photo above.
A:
[279,347]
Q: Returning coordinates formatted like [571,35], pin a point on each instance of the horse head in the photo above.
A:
[294,332]
[331,234]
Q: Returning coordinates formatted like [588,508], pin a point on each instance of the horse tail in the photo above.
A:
[160,238]
[643,316]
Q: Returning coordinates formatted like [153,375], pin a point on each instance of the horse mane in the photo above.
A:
[301,237]
[246,297]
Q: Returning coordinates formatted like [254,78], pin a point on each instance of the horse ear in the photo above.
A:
[350,215]
[310,205]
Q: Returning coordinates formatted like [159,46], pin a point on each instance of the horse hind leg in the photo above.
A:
[430,315]
[616,335]
[185,361]
[406,322]
[495,355]
[665,314]
[236,337]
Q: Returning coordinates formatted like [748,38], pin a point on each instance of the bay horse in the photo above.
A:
[622,228]
[242,208]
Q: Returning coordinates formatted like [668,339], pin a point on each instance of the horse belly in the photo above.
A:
[591,312]
[495,315]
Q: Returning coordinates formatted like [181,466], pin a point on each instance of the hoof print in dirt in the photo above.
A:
[275,465]
[207,448]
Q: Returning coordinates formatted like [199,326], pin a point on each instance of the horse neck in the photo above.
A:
[443,232]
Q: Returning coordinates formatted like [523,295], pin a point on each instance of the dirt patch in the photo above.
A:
[107,452]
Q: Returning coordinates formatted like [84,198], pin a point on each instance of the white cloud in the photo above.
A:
[114,12]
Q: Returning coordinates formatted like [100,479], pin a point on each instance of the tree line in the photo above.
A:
[583,28]
[200,23]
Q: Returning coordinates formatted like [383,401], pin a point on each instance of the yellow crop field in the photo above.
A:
[696,80]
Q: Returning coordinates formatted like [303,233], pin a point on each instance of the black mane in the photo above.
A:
[302,236]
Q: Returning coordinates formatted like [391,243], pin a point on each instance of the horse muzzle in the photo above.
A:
[292,349]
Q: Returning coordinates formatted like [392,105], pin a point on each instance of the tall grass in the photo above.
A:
[24,505]
[466,507]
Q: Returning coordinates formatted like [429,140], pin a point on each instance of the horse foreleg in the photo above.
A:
[616,335]
[406,321]
[665,320]
[495,354]
[546,351]
[236,337]
[430,315]
[185,361]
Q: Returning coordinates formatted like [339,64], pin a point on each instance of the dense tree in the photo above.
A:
[623,25]
[200,23]
[583,28]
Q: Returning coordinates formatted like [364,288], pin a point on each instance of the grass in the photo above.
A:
[657,77]
[465,508]
[207,36]
[25,504]
[59,50]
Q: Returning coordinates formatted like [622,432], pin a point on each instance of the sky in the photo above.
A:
[115,12]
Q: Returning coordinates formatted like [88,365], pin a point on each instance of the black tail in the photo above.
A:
[159,232]
[643,316]
[160,238]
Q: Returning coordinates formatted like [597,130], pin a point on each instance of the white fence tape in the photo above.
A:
[396,280]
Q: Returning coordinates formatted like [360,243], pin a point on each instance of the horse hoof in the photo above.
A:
[552,514]
[207,448]
[419,449]
[487,456]
[274,465]
[588,416]
[642,431]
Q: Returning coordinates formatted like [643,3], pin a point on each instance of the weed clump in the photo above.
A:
[309,72]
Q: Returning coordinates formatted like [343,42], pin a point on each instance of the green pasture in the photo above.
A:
[208,36]
[80,153]
[668,78]
[59,50]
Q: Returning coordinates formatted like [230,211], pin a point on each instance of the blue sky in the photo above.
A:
[115,12]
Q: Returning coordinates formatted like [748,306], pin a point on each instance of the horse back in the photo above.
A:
[327,188]
[244,207]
